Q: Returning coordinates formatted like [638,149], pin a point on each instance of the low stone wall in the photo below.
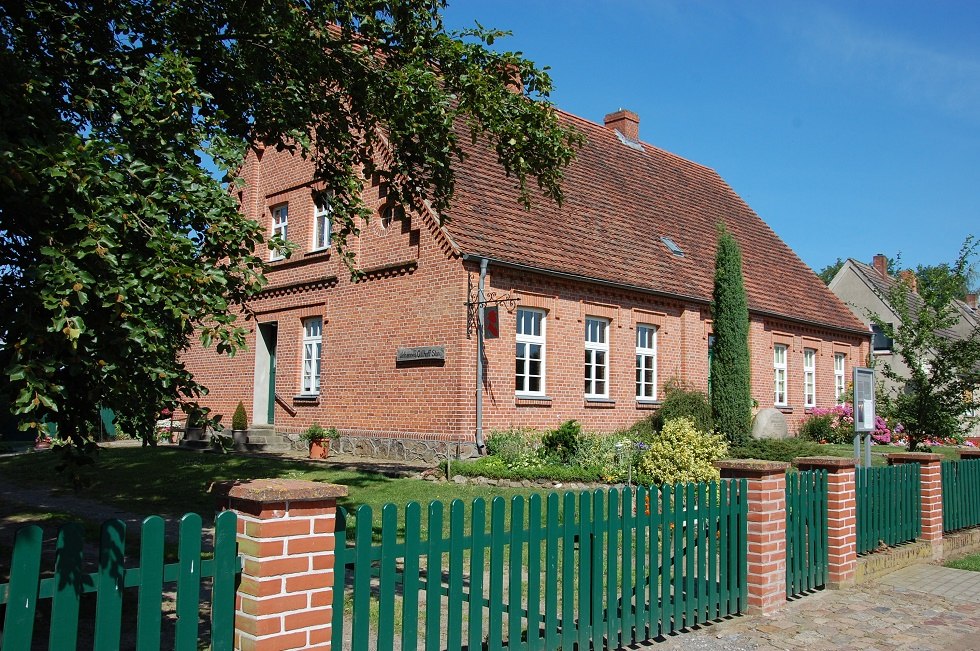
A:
[371,445]
[421,450]
[878,564]
[962,543]
[546,484]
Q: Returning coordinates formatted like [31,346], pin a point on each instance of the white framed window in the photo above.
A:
[312,348]
[280,226]
[779,373]
[646,362]
[321,227]
[596,357]
[530,353]
[809,377]
[839,376]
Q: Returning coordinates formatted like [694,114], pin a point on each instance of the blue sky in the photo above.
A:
[852,128]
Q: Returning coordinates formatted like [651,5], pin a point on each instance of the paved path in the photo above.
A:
[919,608]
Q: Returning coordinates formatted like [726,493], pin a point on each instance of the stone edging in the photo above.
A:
[435,474]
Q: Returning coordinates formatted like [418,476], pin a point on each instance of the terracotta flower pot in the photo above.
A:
[320,449]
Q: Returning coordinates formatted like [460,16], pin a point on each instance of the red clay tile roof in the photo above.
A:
[618,203]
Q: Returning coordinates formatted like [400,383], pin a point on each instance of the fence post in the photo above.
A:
[841,517]
[930,494]
[286,537]
[766,501]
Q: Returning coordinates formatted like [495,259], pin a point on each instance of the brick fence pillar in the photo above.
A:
[930,495]
[969,454]
[766,529]
[286,537]
[841,517]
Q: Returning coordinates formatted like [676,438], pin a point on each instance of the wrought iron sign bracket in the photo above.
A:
[473,305]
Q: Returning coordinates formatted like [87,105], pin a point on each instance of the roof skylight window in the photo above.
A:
[672,246]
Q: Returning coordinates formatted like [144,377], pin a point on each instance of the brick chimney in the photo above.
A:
[880,263]
[971,300]
[908,277]
[514,81]
[625,122]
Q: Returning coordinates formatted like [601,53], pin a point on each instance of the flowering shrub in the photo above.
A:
[516,449]
[682,453]
[836,425]
[564,453]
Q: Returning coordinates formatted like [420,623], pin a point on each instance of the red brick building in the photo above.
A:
[612,297]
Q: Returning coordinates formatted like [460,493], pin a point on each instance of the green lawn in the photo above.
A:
[971,563]
[167,481]
[878,452]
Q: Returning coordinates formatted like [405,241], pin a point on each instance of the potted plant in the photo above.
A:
[195,424]
[239,427]
[319,440]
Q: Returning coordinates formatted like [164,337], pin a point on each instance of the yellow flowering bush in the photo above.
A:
[682,453]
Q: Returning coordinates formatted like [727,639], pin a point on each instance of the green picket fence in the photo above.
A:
[31,602]
[806,531]
[599,569]
[888,506]
[961,494]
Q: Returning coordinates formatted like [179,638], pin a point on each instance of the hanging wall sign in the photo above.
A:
[491,322]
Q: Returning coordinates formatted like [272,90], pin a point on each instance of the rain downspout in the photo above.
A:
[480,298]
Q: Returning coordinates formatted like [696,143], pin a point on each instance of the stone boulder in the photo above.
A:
[769,424]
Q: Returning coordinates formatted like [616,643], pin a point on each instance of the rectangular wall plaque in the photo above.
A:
[419,353]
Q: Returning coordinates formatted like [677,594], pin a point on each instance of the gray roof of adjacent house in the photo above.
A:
[883,285]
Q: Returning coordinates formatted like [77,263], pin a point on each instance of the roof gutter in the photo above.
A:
[469,257]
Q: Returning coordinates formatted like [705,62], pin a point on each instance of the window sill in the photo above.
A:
[318,253]
[786,409]
[532,401]
[307,399]
[599,403]
[648,404]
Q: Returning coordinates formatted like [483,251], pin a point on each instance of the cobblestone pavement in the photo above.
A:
[919,608]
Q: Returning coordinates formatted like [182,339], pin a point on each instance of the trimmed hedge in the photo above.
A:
[775,449]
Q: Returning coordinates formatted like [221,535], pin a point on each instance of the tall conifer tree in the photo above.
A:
[731,397]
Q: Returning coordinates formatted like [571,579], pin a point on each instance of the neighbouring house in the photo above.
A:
[601,302]
[865,289]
